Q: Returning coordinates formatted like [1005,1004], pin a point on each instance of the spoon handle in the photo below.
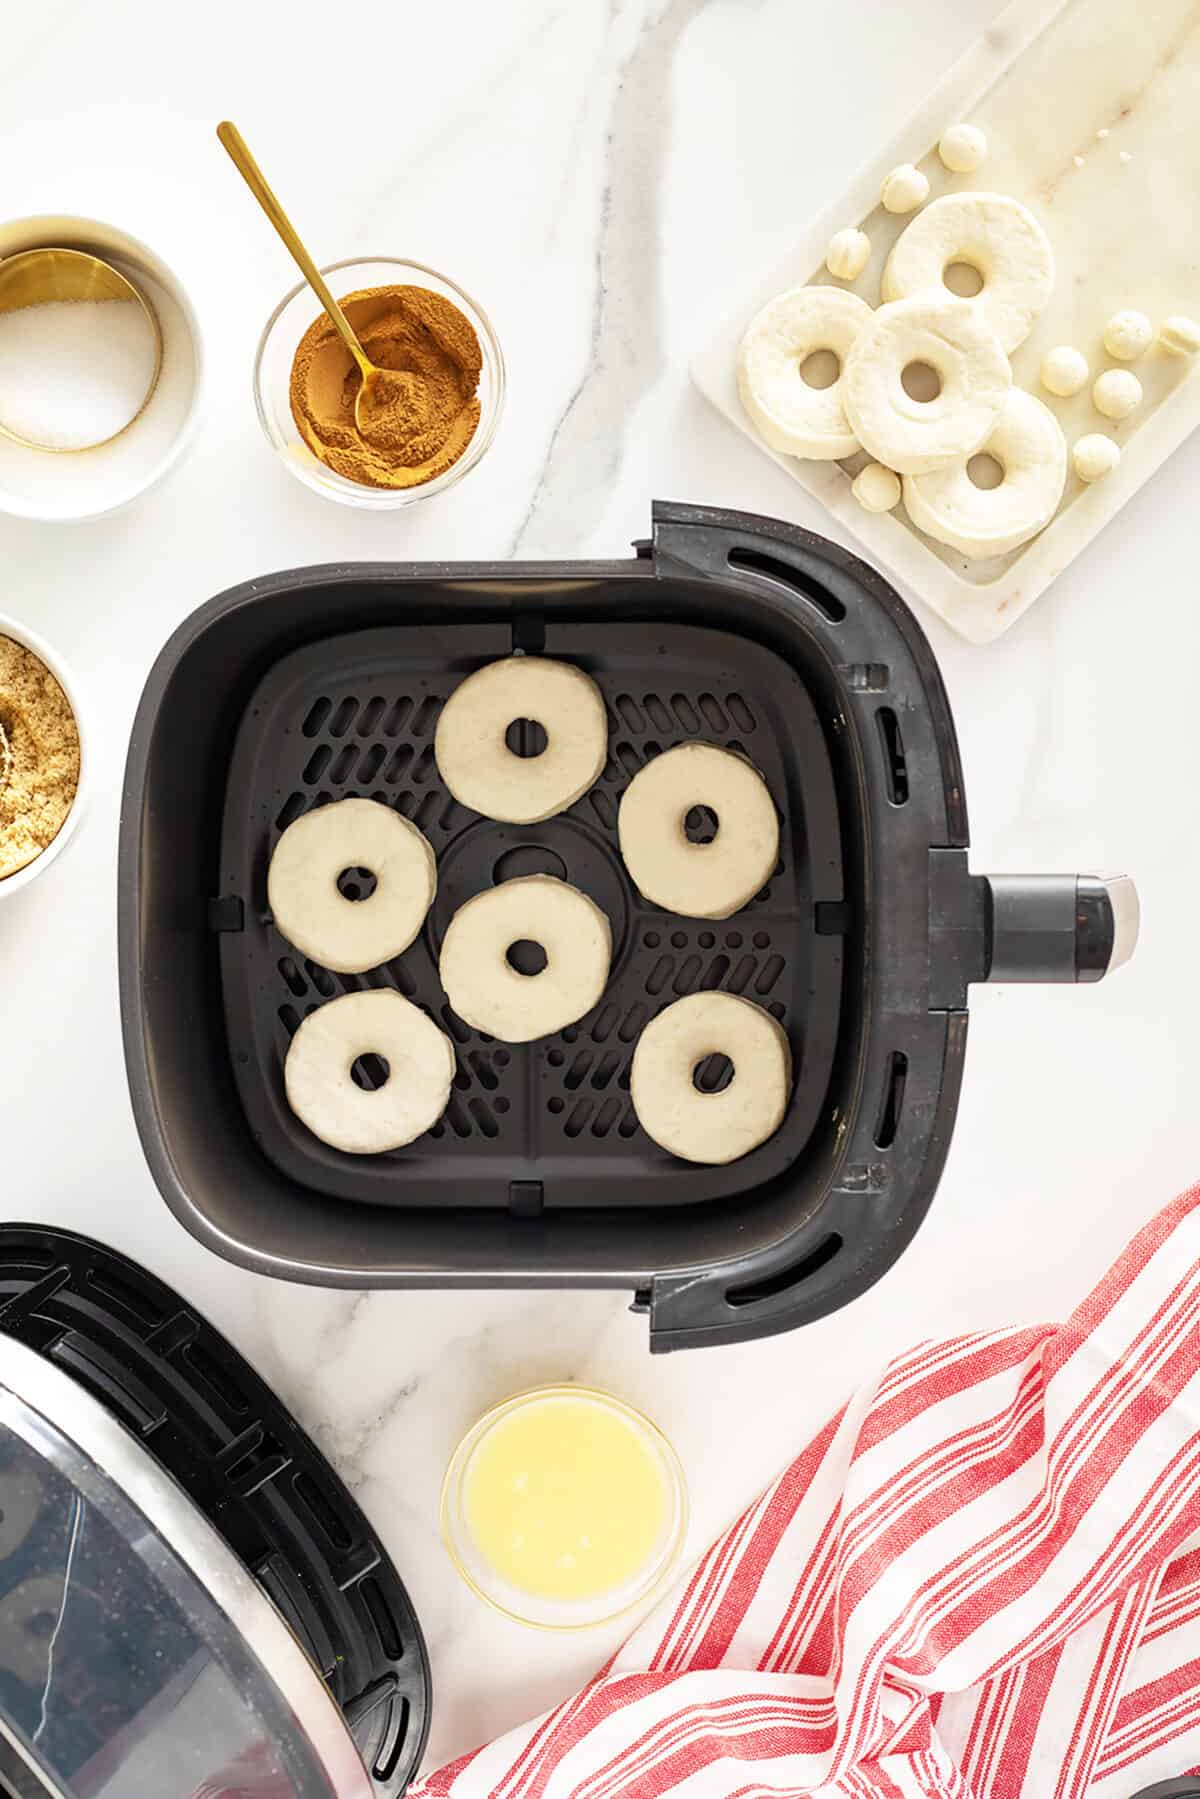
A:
[256,181]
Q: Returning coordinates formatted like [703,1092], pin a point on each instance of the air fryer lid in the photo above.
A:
[139,1650]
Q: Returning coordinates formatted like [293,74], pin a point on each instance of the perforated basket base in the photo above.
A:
[547,1124]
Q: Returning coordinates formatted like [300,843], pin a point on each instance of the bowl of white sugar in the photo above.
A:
[97,400]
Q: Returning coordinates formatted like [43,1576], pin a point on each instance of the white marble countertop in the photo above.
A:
[601,173]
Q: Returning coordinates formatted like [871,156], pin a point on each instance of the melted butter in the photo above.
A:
[565,1499]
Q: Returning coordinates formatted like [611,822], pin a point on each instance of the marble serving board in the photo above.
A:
[1092,111]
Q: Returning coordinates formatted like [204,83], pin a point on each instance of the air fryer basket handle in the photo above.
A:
[1059,927]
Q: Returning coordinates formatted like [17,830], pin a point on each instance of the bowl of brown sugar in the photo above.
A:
[443,406]
[41,757]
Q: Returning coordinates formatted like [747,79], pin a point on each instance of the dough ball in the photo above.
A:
[1179,336]
[1095,456]
[1117,393]
[877,489]
[904,189]
[962,148]
[1128,335]
[848,254]
[1064,370]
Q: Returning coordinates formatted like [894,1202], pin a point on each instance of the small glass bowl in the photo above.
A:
[273,370]
[530,1608]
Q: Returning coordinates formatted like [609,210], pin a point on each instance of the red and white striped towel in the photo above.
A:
[980,1581]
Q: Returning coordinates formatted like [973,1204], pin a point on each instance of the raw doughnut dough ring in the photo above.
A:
[475,761]
[789,415]
[914,436]
[711,1127]
[1030,447]
[996,235]
[698,880]
[488,992]
[323,1094]
[347,935]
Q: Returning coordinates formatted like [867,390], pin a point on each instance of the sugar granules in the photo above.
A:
[73,373]
[38,725]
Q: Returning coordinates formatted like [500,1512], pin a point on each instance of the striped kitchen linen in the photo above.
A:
[981,1580]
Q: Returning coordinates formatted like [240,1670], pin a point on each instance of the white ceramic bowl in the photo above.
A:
[31,641]
[40,485]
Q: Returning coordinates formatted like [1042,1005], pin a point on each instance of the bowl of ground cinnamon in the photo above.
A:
[438,406]
[41,757]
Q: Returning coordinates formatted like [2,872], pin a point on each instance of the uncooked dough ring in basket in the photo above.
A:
[351,935]
[699,880]
[321,1089]
[489,992]
[711,1127]
[471,747]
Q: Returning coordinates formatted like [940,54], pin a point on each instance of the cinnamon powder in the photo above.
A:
[425,412]
[39,757]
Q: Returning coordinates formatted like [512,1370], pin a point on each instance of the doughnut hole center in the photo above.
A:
[921,382]
[985,470]
[526,957]
[370,1071]
[700,824]
[963,278]
[356,883]
[712,1074]
[820,368]
[526,738]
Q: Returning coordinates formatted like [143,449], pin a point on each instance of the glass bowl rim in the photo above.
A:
[391,499]
[673,1468]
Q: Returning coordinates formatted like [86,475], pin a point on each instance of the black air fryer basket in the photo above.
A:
[323,683]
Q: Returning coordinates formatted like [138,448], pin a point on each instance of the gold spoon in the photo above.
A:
[373,393]
[36,277]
